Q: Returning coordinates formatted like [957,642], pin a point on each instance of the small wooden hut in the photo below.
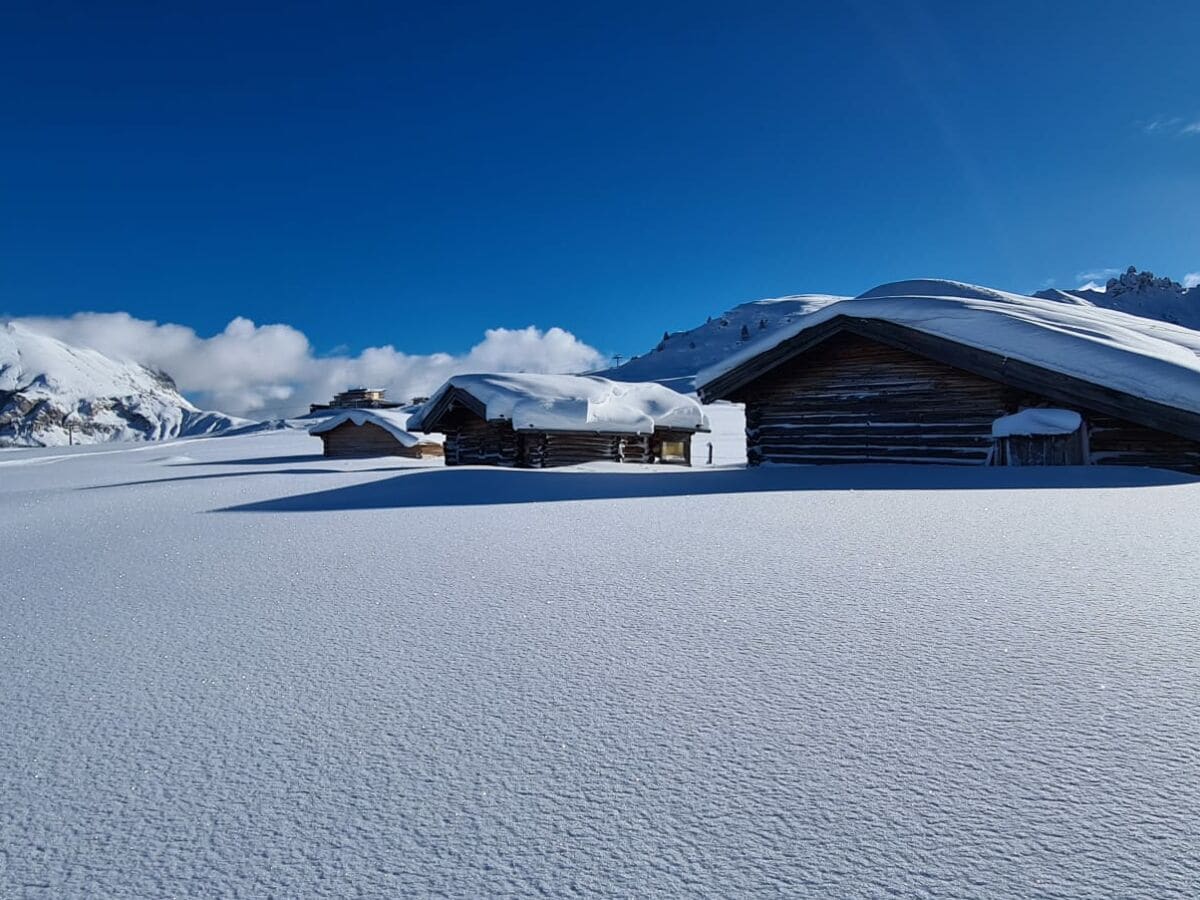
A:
[539,421]
[940,372]
[372,432]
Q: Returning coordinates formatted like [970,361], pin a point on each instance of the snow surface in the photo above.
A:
[229,667]
[1037,421]
[392,421]
[582,403]
[1149,359]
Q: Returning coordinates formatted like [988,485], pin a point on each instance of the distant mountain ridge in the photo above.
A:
[52,394]
[1140,294]
[681,354]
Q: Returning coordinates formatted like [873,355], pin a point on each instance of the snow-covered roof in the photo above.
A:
[585,403]
[1140,357]
[393,422]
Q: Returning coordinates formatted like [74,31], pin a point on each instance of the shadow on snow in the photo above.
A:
[470,486]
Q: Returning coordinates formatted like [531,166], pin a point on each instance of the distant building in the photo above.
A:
[372,432]
[941,372]
[357,398]
[539,421]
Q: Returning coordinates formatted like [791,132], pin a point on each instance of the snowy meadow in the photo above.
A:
[230,667]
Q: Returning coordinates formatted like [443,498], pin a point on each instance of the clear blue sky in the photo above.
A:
[415,173]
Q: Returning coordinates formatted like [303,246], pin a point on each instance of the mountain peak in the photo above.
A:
[53,393]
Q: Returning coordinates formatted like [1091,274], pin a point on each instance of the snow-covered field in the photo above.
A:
[229,667]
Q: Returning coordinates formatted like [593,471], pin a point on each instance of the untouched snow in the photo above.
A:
[392,421]
[575,403]
[1149,359]
[230,667]
[1037,421]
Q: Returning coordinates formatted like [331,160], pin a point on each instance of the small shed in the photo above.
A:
[1040,437]
[372,432]
[539,421]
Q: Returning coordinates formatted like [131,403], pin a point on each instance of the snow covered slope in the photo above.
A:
[1139,294]
[234,668]
[52,393]
[681,354]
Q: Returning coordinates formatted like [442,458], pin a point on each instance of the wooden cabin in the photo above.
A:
[540,421]
[367,432]
[869,383]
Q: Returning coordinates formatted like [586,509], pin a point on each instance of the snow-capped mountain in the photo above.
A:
[52,393]
[681,354]
[1139,294]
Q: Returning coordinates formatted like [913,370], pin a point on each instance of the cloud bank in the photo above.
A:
[268,371]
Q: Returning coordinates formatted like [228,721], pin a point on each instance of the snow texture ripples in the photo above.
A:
[967,693]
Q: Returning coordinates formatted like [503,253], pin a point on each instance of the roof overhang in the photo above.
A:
[430,416]
[987,364]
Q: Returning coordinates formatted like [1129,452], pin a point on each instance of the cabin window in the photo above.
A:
[674,451]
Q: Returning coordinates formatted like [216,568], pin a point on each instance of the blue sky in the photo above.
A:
[416,173]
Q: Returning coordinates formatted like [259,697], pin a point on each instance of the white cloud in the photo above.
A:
[1191,280]
[1176,125]
[270,370]
[1100,275]
[1092,286]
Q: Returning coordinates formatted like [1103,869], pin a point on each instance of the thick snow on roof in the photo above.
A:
[578,403]
[391,421]
[1145,358]
[1037,421]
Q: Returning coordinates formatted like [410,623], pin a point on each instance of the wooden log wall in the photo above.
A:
[544,450]
[856,400]
[368,439]
[1113,442]
[474,442]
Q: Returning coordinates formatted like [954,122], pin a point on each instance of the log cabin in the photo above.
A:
[942,372]
[372,432]
[540,421]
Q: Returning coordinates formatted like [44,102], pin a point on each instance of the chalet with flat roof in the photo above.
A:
[942,372]
[356,398]
[538,421]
